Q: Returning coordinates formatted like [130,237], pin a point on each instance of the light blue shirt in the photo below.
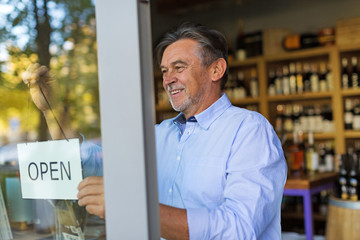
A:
[91,158]
[226,167]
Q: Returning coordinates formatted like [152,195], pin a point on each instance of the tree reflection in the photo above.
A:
[60,34]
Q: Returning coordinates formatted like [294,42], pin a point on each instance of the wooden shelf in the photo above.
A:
[308,53]
[323,136]
[296,215]
[317,136]
[350,92]
[349,48]
[303,96]
[310,180]
[245,101]
[245,63]
[352,133]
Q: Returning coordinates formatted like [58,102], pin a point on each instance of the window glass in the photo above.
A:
[52,43]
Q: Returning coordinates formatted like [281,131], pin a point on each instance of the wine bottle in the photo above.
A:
[292,78]
[279,82]
[288,122]
[240,90]
[328,123]
[348,114]
[304,126]
[279,121]
[353,178]
[299,79]
[306,78]
[355,73]
[296,153]
[322,154]
[322,82]
[271,86]
[254,85]
[314,78]
[312,157]
[356,115]
[230,86]
[300,41]
[343,173]
[329,78]
[296,116]
[311,119]
[345,80]
[329,157]
[318,118]
[285,80]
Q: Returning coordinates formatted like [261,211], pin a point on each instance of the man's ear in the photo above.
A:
[217,69]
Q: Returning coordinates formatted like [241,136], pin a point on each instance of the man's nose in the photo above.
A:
[169,77]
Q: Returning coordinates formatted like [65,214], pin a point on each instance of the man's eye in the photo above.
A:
[163,71]
[179,68]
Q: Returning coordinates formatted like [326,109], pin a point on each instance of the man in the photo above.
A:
[221,169]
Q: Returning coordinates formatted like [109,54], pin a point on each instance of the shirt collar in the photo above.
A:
[180,119]
[209,115]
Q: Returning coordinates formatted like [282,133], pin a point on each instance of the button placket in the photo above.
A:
[189,129]
[178,158]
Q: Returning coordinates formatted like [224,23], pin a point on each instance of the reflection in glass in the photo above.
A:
[60,35]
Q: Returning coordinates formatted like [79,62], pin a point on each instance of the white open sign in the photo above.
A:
[50,170]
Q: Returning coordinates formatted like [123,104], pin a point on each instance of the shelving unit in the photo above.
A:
[317,136]
[335,97]
[352,134]
[303,96]
[245,101]
[350,92]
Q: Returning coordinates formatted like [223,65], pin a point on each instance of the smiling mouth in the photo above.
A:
[173,92]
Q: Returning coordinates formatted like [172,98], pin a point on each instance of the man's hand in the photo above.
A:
[37,76]
[91,195]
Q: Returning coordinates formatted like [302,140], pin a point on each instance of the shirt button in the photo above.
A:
[178,158]
[170,190]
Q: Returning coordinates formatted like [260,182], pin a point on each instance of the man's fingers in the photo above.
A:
[36,72]
[91,186]
[90,190]
[96,209]
[91,195]
[93,204]
[91,200]
[93,180]
[25,77]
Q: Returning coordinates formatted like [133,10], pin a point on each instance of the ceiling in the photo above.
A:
[184,6]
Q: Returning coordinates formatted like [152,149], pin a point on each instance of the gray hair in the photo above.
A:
[213,44]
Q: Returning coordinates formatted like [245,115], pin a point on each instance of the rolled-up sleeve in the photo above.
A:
[255,176]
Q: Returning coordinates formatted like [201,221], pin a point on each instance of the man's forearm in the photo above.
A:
[173,223]
[54,128]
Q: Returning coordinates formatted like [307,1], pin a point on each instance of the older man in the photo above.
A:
[221,169]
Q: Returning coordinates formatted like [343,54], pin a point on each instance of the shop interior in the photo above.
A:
[297,63]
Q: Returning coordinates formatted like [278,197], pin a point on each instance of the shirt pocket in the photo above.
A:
[203,184]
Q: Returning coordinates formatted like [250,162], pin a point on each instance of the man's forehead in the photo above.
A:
[178,61]
[180,51]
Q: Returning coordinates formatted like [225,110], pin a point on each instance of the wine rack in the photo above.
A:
[266,104]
